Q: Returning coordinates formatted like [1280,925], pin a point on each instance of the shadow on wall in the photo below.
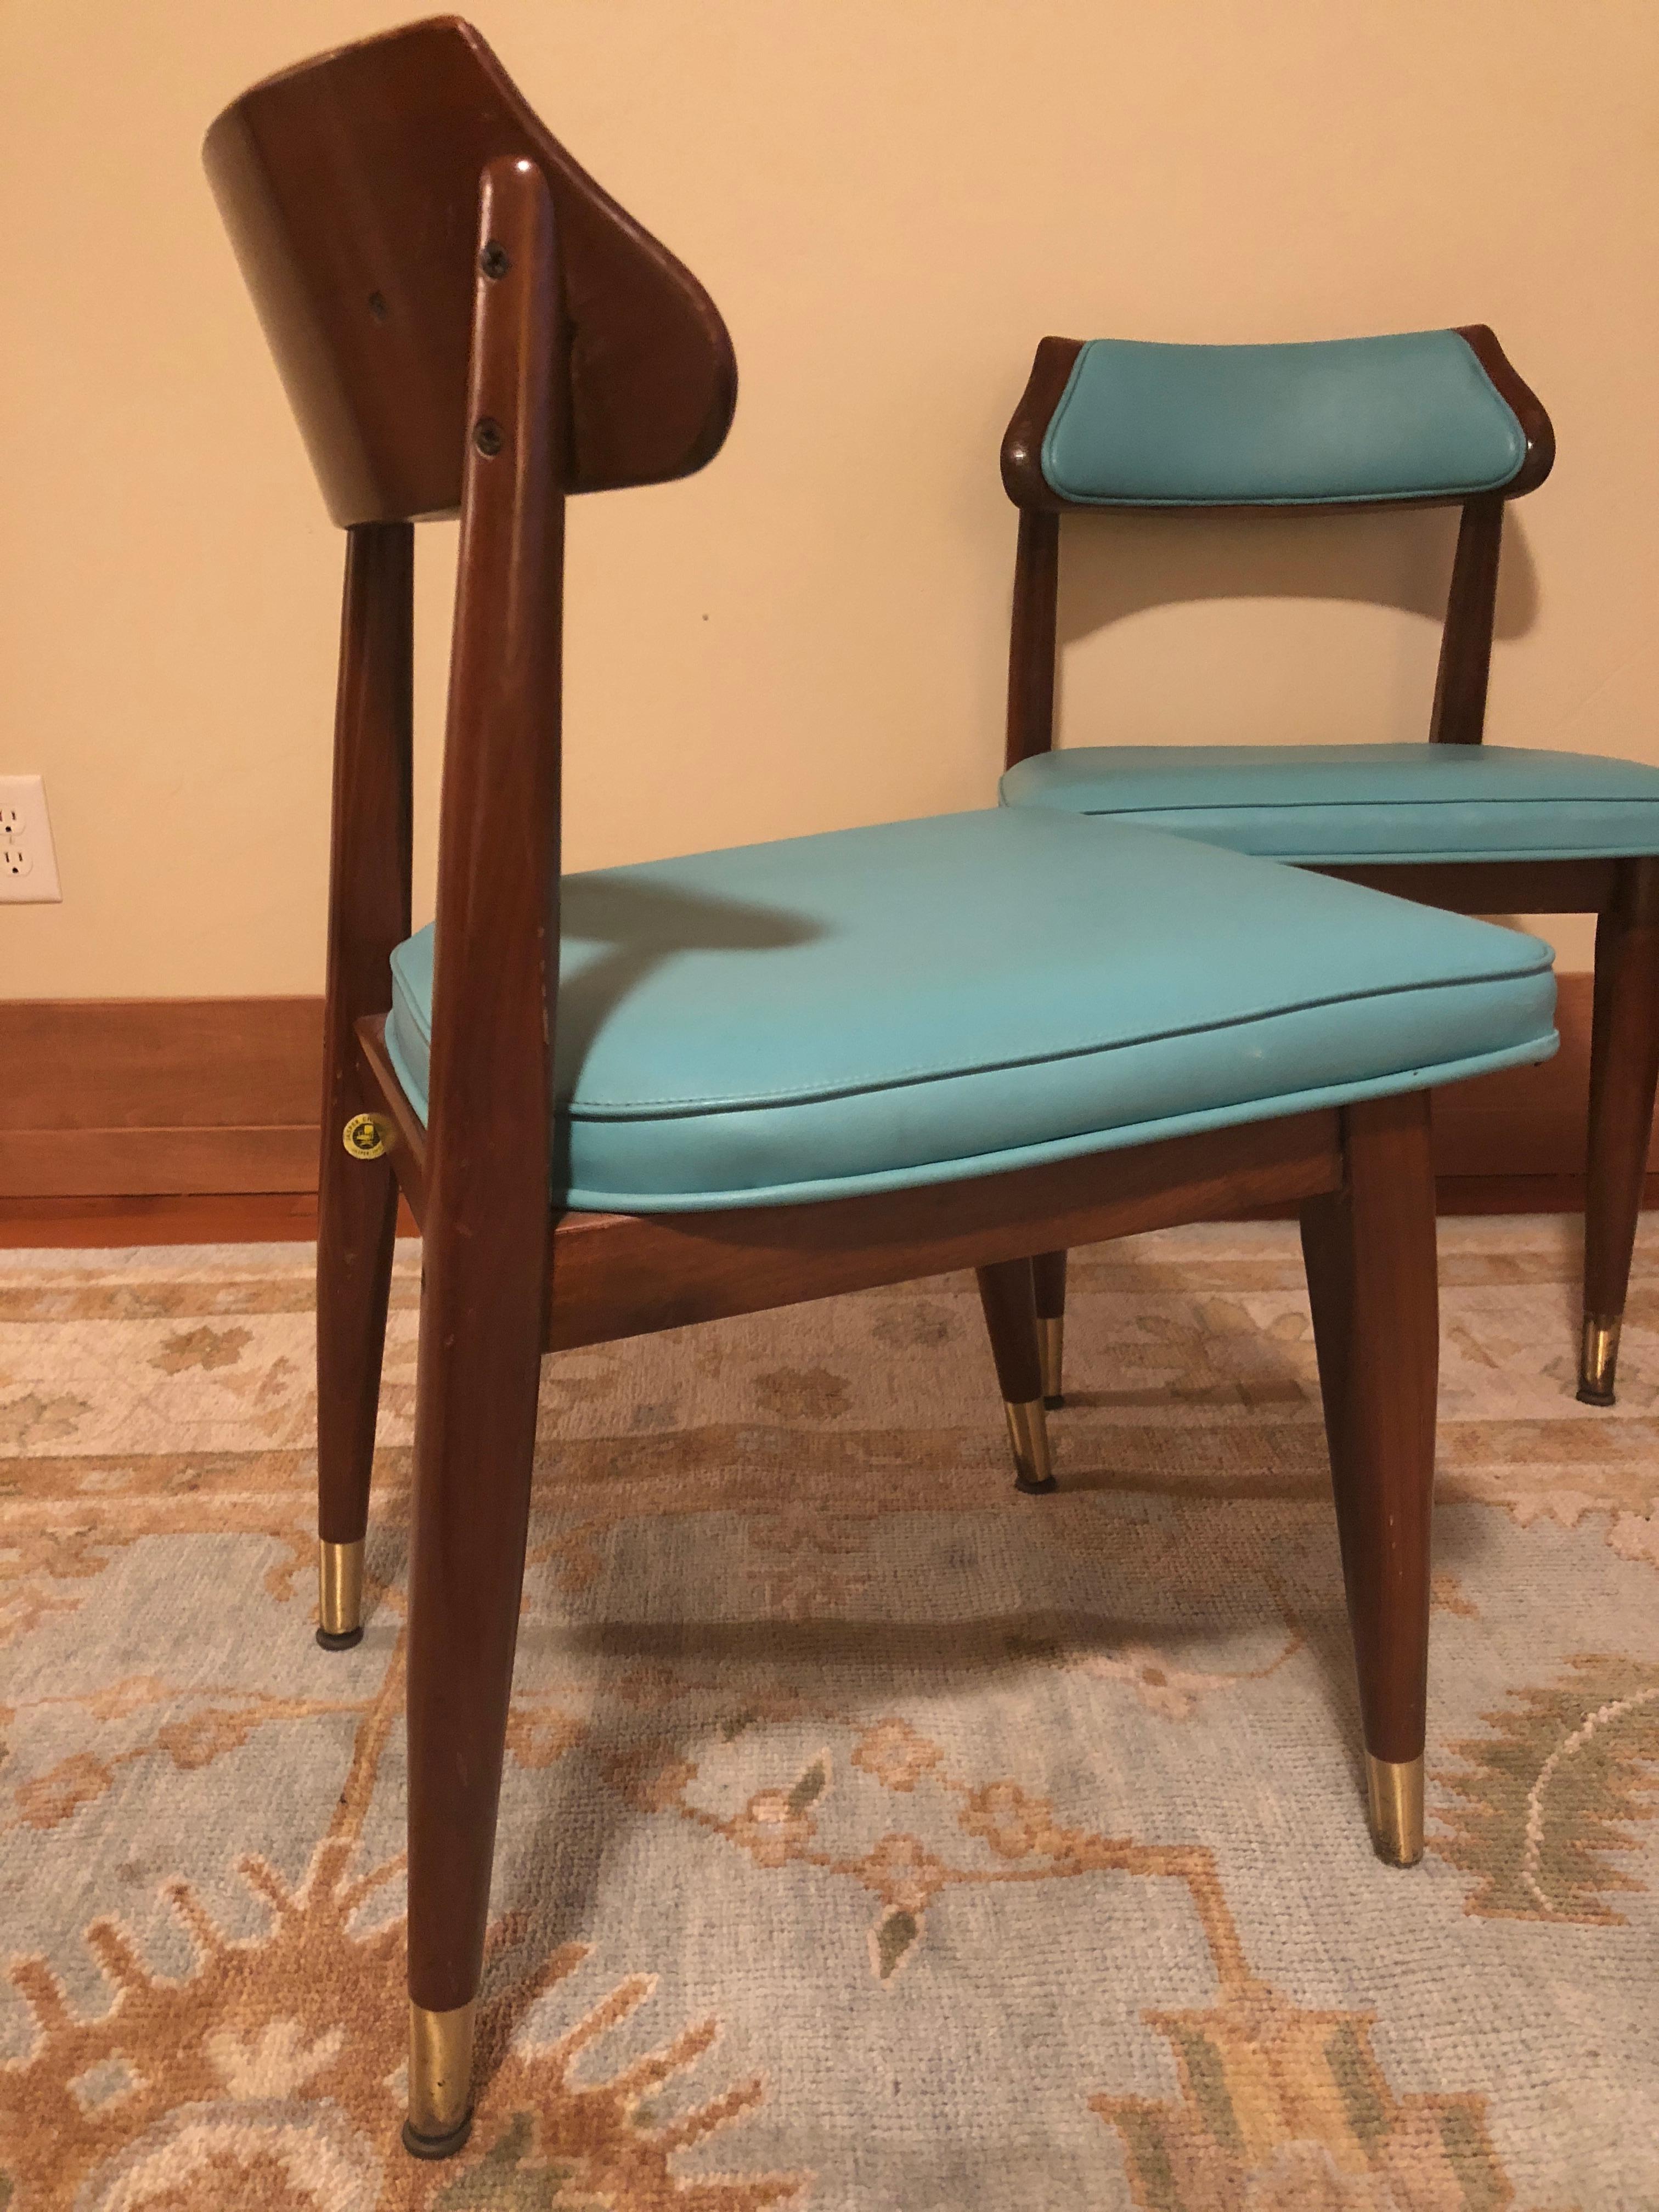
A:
[1115,565]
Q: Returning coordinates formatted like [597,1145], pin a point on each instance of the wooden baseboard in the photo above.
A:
[243,1217]
[150,1098]
[111,1163]
[162,1098]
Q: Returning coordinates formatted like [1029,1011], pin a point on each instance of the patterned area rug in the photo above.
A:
[871,1837]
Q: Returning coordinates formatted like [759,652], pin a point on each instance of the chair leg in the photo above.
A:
[1049,1274]
[1369,1251]
[1623,1073]
[357,1220]
[480,1365]
[1005,1293]
[368,915]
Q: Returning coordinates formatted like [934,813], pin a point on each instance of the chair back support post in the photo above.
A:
[483,1305]
[1031,640]
[371,839]
[495,979]
[1459,714]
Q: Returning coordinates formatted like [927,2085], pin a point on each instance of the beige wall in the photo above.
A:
[892,200]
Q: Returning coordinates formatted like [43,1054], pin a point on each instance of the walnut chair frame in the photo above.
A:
[465,320]
[1622,893]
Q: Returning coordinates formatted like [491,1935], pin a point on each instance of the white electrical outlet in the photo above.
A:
[29,866]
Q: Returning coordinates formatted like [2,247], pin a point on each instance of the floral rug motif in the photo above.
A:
[873,1839]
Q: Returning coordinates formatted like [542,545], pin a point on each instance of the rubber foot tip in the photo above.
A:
[1586,1396]
[1043,1489]
[429,2146]
[347,1640]
[1052,1405]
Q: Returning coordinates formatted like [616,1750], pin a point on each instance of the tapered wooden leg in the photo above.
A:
[1049,1276]
[357,1219]
[368,915]
[474,1440]
[1005,1293]
[1369,1250]
[1623,1072]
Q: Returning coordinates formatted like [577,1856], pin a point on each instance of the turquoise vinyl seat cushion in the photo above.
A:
[1330,804]
[926,1000]
[1409,416]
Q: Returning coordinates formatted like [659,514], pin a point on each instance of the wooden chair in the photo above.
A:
[655,1095]
[1431,418]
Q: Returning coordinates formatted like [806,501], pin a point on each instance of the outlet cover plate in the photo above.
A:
[28,864]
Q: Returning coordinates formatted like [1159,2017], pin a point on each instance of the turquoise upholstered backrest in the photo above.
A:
[1412,416]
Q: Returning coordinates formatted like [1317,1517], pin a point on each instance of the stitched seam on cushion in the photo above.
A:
[1333,806]
[1281,498]
[410,1011]
[1285,499]
[1424,1076]
[911,1079]
[1387,856]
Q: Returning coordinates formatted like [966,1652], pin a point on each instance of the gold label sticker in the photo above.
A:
[364,1137]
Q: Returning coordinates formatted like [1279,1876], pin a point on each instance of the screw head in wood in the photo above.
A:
[489,437]
[494,260]
[364,1137]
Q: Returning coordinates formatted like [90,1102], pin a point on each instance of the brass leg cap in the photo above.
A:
[1395,1789]
[1028,1432]
[420,2146]
[440,2081]
[339,1596]
[1598,1357]
[1051,1347]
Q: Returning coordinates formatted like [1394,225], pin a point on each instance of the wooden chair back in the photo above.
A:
[349,186]
[463,319]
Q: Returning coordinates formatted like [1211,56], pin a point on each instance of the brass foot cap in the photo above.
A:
[1598,1359]
[440,2081]
[1028,1433]
[339,1594]
[420,2146]
[1394,1790]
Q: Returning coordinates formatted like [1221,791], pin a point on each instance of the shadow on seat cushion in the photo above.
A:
[926,1001]
[1335,803]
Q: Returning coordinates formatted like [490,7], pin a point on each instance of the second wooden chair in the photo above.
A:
[1431,418]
